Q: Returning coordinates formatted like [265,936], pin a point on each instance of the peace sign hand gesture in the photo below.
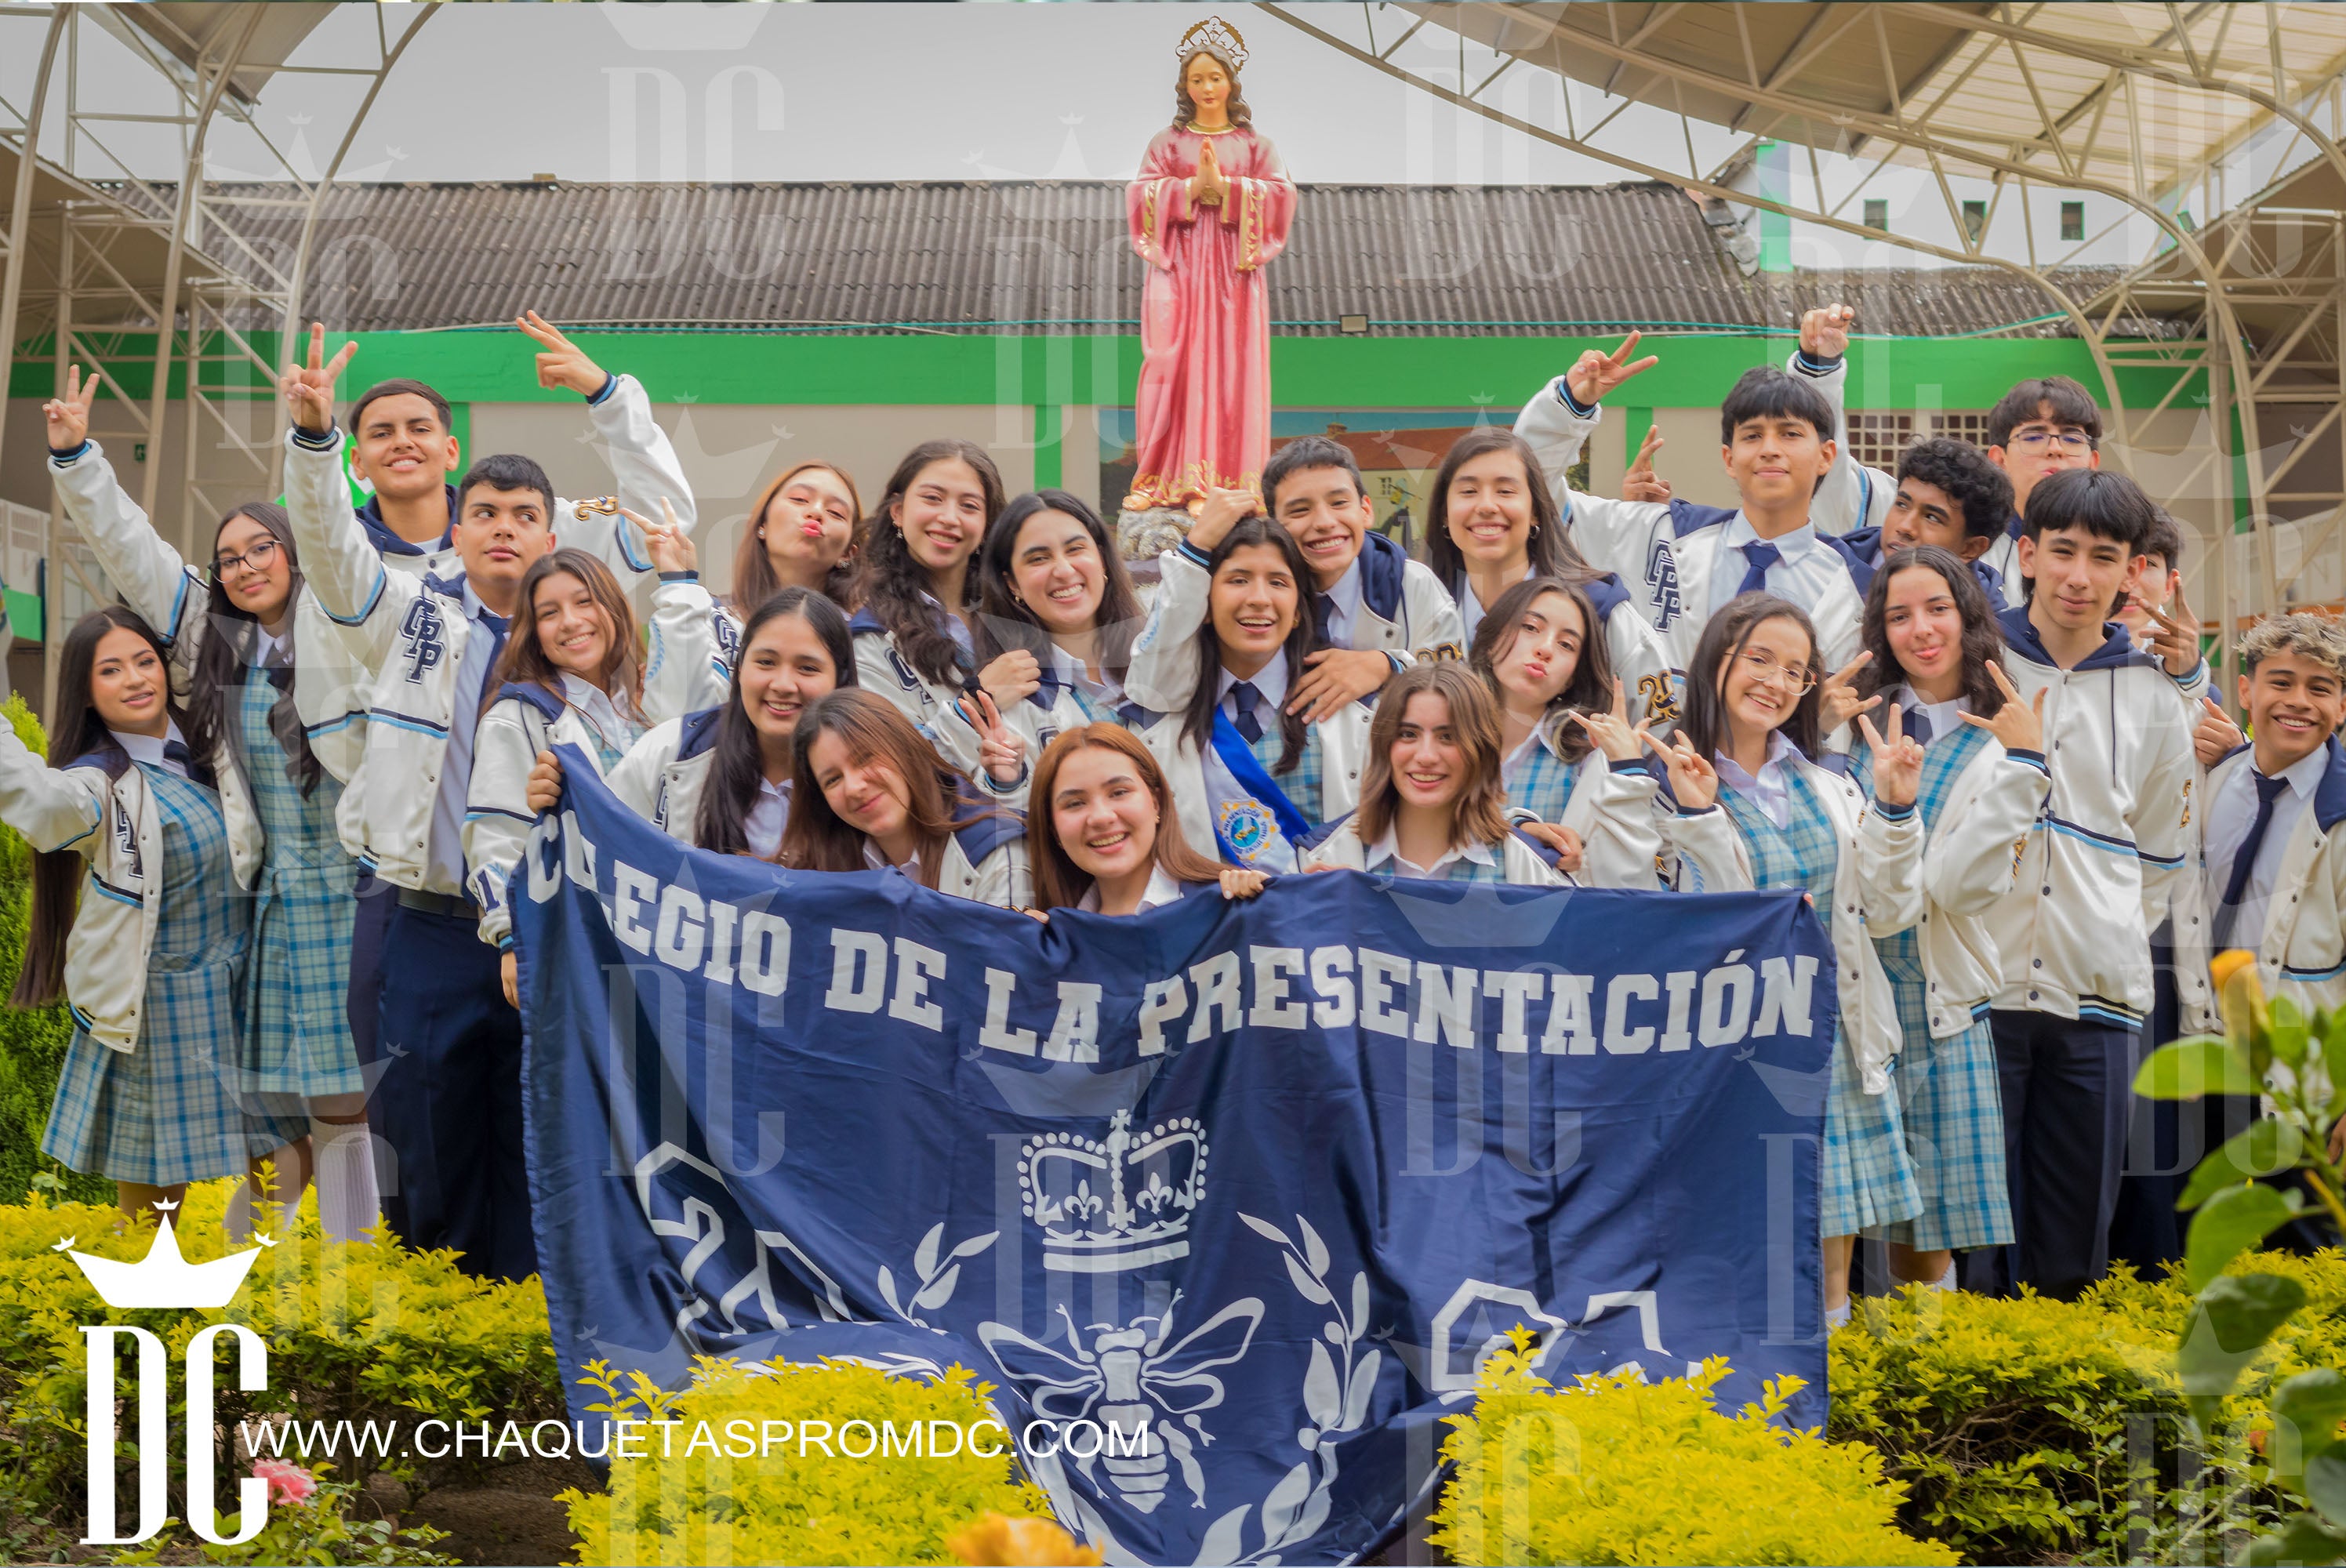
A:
[1640,483]
[1001,750]
[2175,636]
[68,416]
[1897,760]
[1693,780]
[670,548]
[1599,372]
[2019,726]
[309,390]
[562,363]
[1610,732]
[1837,699]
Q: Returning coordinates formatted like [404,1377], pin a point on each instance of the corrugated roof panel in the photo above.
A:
[1053,256]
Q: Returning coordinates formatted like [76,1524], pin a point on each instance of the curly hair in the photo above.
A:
[2316,638]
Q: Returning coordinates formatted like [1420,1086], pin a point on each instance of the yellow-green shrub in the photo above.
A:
[694,1507]
[358,1332]
[1615,1470]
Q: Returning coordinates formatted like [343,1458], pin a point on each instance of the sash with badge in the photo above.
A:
[1256,823]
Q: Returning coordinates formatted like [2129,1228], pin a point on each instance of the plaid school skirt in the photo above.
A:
[1950,1106]
[1868,1179]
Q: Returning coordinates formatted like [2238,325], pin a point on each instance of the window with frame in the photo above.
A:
[1877,214]
[1974,220]
[1878,439]
[2072,220]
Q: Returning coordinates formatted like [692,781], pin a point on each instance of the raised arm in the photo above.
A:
[1163,672]
[1852,496]
[338,563]
[1611,535]
[52,808]
[153,577]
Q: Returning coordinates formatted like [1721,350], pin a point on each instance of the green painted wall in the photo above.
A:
[1308,372]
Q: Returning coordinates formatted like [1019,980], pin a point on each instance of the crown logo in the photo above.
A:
[163,1277]
[1106,1206]
[1218,38]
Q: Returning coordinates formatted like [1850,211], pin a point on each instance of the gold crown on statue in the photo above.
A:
[163,1277]
[1125,1203]
[1218,36]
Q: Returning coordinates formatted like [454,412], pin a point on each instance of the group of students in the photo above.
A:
[297,781]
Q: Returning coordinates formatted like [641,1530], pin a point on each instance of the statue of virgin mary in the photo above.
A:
[1211,206]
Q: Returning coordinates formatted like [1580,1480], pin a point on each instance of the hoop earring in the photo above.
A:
[1533,534]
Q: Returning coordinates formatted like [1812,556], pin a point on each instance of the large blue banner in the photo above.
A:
[1252,1187]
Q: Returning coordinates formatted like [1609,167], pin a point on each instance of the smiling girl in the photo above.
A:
[913,644]
[868,793]
[138,924]
[1492,522]
[1250,777]
[1055,620]
[272,699]
[1755,810]
[1569,755]
[1110,837]
[568,676]
[1938,664]
[1432,805]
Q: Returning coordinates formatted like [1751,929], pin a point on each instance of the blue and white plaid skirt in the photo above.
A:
[1952,1109]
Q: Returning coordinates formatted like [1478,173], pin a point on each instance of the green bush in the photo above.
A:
[31,1044]
[1616,1469]
[693,1503]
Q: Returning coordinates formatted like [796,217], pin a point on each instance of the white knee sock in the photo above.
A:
[1837,1316]
[1946,1282]
[343,1157]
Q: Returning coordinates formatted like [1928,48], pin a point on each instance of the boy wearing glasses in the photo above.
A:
[2097,872]
[2043,426]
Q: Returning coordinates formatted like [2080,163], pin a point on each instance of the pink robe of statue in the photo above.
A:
[1202,414]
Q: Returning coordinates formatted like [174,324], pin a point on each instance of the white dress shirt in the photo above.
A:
[769,815]
[1386,850]
[1771,791]
[1336,631]
[2230,813]
[1270,681]
[1161,890]
[446,856]
[149,749]
[1470,608]
[1807,567]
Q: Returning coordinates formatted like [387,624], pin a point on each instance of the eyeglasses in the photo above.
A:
[257,559]
[2038,440]
[1763,667]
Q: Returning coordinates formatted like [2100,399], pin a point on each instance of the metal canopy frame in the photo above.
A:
[94,250]
[2143,104]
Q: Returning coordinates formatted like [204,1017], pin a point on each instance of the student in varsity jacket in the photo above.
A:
[1056,619]
[1947,495]
[1376,609]
[1569,755]
[450,1102]
[1683,562]
[569,675]
[1106,837]
[721,778]
[2097,873]
[914,583]
[274,698]
[1492,522]
[1431,805]
[868,794]
[1250,775]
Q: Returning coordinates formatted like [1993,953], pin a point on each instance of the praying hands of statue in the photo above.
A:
[1208,187]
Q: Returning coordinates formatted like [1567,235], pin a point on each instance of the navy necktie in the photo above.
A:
[499,626]
[1915,724]
[1245,698]
[177,751]
[2236,886]
[1762,555]
[1325,604]
[1045,694]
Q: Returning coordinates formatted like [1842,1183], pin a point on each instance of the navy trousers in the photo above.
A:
[449,1102]
[2067,1087]
[364,1005]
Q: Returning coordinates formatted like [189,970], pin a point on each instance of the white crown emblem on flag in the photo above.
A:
[1125,1203]
[163,1278]
[1217,36]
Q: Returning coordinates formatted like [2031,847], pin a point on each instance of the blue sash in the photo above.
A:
[1250,830]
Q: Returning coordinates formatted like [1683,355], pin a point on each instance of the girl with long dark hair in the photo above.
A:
[1756,810]
[569,675]
[138,923]
[868,793]
[1569,757]
[912,643]
[1492,521]
[274,701]
[1057,609]
[1432,805]
[1105,836]
[1251,778]
[1938,668]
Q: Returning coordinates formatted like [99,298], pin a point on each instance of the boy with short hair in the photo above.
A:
[2097,872]
[449,1105]
[1948,494]
[1685,564]
[1376,609]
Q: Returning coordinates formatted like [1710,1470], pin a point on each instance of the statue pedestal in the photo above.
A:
[1142,536]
